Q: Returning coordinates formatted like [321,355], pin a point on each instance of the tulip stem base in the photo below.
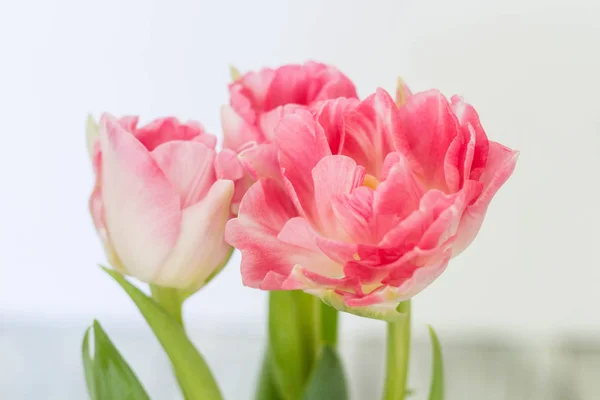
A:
[397,356]
[171,300]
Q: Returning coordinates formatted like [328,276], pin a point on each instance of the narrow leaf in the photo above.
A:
[88,365]
[266,389]
[327,381]
[192,372]
[113,378]
[436,392]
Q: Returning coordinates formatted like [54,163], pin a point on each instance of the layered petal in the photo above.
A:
[228,166]
[200,248]
[333,177]
[431,131]
[141,207]
[330,115]
[248,94]
[189,167]
[500,165]
[266,260]
[369,131]
[475,155]
[236,130]
[168,129]
[302,143]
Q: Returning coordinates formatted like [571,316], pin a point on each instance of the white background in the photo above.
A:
[531,68]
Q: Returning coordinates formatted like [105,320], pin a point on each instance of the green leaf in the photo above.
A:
[266,389]
[287,344]
[192,372]
[329,322]
[112,377]
[88,365]
[327,381]
[436,392]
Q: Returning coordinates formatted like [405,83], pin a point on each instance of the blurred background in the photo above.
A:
[517,312]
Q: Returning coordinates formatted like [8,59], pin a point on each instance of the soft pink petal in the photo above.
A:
[355,216]
[269,120]
[500,166]
[333,176]
[228,165]
[334,85]
[330,115]
[237,131]
[189,167]
[200,248]
[407,286]
[297,231]
[431,131]
[289,86]
[248,94]
[399,194]
[264,211]
[477,149]
[141,208]
[302,144]
[260,160]
[369,131]
[167,129]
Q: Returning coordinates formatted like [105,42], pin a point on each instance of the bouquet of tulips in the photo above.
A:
[335,203]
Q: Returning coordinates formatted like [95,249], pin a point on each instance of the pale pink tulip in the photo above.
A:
[258,101]
[374,200]
[158,205]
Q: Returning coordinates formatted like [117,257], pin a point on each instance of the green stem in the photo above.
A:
[329,324]
[398,351]
[170,300]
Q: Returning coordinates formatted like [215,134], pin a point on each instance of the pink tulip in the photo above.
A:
[158,205]
[258,101]
[374,199]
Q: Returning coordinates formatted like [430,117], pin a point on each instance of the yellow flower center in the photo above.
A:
[370,181]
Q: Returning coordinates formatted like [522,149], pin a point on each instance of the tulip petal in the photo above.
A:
[399,194]
[237,131]
[330,115]
[263,212]
[248,94]
[289,86]
[269,120]
[432,133]
[200,248]
[301,143]
[354,215]
[333,176]
[369,131]
[229,166]
[141,208]
[167,129]
[332,84]
[476,154]
[260,160]
[501,163]
[297,231]
[189,167]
